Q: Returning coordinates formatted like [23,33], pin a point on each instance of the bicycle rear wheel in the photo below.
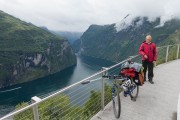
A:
[116,101]
[135,92]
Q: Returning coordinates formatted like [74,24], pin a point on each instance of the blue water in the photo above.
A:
[11,96]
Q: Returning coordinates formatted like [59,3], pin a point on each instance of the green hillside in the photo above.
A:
[28,52]
[108,43]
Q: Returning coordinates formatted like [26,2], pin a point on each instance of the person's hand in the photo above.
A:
[145,56]
[154,63]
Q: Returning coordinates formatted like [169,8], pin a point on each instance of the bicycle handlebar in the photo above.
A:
[115,77]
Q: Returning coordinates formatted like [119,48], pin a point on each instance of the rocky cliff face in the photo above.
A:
[28,52]
[33,65]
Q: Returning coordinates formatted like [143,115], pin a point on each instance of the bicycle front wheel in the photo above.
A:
[116,101]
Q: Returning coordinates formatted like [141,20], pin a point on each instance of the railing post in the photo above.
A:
[102,90]
[178,108]
[177,51]
[35,108]
[167,53]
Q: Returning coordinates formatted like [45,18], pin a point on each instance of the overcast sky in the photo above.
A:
[77,15]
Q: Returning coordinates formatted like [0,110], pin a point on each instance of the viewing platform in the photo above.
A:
[155,102]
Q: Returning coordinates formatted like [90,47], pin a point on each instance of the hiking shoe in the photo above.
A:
[151,81]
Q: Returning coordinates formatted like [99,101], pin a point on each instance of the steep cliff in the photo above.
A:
[28,52]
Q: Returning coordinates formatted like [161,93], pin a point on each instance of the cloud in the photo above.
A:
[77,15]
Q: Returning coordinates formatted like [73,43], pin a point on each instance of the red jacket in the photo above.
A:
[149,50]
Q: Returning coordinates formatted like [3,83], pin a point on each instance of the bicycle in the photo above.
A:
[119,84]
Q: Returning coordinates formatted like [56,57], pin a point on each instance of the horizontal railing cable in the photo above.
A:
[85,96]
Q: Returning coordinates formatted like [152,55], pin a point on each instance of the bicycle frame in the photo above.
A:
[118,78]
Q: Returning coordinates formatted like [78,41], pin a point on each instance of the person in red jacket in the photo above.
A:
[149,56]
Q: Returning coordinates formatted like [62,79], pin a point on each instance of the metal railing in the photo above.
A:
[80,100]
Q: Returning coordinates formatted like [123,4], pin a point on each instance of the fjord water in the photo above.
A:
[11,96]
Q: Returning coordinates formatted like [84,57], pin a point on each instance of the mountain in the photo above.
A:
[117,41]
[70,36]
[28,52]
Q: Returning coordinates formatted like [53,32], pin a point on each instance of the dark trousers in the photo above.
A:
[148,65]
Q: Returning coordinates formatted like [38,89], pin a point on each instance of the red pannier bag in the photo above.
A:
[130,72]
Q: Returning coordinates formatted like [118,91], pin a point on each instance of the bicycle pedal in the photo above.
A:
[125,95]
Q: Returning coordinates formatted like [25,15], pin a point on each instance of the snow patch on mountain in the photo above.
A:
[124,23]
[164,19]
[140,22]
[136,22]
[129,21]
